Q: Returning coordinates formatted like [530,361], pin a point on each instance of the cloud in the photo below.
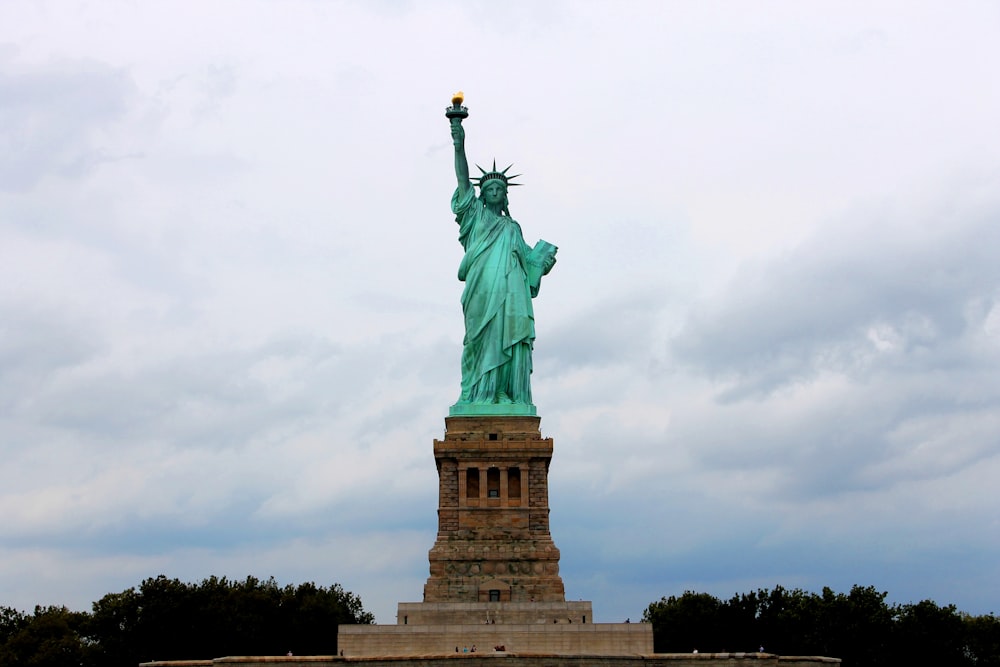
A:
[230,323]
[54,116]
[865,297]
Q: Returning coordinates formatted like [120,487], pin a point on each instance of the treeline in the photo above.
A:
[858,627]
[166,619]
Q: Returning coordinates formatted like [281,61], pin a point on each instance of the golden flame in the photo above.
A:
[458,98]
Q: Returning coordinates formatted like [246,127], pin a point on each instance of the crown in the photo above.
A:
[495,175]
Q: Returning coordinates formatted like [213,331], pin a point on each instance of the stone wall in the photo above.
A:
[562,638]
[493,659]
[499,613]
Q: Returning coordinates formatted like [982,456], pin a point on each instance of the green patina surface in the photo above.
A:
[502,274]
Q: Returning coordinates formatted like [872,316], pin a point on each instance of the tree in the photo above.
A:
[865,639]
[166,619]
[52,637]
[858,627]
[692,621]
[982,640]
[114,625]
[928,634]
[786,620]
[11,621]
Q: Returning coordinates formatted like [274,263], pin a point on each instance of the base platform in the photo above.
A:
[498,659]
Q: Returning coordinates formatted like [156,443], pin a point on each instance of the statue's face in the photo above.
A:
[494,192]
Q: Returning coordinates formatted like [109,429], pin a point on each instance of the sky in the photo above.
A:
[230,325]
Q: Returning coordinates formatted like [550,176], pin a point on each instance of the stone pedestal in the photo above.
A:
[482,659]
[552,639]
[493,542]
[494,570]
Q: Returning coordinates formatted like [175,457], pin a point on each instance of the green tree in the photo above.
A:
[114,625]
[166,619]
[741,626]
[866,626]
[787,620]
[51,637]
[683,624]
[11,621]
[925,633]
[982,640]
[858,627]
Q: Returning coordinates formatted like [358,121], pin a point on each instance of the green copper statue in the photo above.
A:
[502,274]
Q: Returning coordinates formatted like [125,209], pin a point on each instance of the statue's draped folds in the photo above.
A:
[496,301]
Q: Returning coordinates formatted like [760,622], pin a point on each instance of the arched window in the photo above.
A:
[472,483]
[514,483]
[493,482]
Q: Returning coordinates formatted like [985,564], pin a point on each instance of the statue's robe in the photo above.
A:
[496,301]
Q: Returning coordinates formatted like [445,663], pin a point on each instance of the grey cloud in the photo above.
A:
[49,116]
[211,398]
[214,398]
[863,360]
[611,331]
[36,341]
[858,302]
[833,406]
[35,344]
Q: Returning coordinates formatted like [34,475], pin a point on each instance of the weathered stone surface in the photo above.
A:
[522,659]
[494,613]
[562,638]
[493,514]
[494,570]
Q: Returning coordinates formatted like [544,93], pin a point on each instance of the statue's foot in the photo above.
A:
[504,399]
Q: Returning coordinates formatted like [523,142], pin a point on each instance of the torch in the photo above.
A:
[456,110]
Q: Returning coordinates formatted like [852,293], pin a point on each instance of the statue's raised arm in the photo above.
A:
[458,139]
[502,274]
[461,162]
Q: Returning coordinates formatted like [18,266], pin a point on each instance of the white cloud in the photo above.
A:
[229,318]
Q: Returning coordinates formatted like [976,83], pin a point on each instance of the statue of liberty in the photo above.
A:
[502,274]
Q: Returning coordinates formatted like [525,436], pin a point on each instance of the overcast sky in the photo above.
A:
[230,325]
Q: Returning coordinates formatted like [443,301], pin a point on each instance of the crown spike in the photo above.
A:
[495,175]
